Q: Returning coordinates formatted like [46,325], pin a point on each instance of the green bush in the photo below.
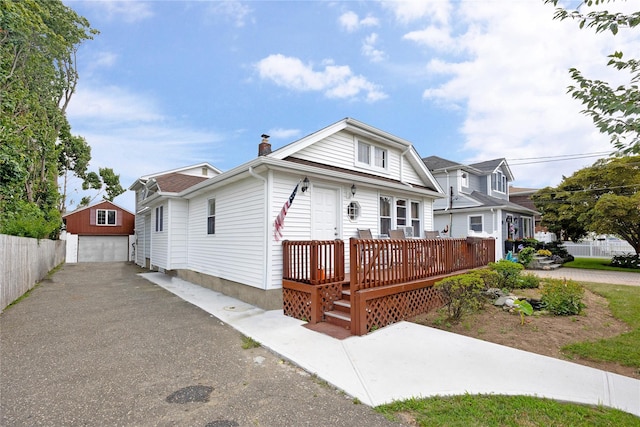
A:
[525,256]
[527,281]
[490,278]
[28,220]
[508,272]
[462,293]
[562,297]
[626,261]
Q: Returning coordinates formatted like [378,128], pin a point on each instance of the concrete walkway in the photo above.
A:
[596,276]
[408,360]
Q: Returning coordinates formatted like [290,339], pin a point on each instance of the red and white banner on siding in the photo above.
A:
[279,222]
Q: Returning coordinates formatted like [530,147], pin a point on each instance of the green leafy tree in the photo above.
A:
[38,43]
[603,198]
[105,182]
[614,110]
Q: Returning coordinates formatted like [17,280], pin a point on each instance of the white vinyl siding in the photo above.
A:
[159,240]
[237,252]
[178,218]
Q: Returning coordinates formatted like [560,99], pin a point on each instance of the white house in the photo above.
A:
[477,202]
[217,229]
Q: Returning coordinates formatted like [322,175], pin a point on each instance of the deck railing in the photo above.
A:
[313,261]
[383,262]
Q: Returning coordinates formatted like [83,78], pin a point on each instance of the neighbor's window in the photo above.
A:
[159,218]
[475,223]
[385,215]
[371,155]
[353,211]
[499,182]
[211,216]
[105,217]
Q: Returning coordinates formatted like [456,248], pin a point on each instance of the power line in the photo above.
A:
[554,159]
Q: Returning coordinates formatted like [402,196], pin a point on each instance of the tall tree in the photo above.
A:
[38,43]
[614,110]
[603,198]
[105,181]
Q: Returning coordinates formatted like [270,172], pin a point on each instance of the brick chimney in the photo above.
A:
[264,147]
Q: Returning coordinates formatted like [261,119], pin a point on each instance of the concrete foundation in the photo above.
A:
[267,300]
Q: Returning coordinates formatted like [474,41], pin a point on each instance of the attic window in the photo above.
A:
[205,172]
[105,217]
[464,181]
[499,182]
[371,156]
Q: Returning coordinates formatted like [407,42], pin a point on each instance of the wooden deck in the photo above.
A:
[388,280]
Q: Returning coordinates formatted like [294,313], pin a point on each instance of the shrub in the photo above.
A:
[527,281]
[557,249]
[490,278]
[562,297]
[529,243]
[508,272]
[462,293]
[526,255]
[626,261]
[544,252]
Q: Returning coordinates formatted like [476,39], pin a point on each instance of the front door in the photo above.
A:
[324,211]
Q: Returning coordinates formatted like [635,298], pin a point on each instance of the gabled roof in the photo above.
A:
[143,180]
[436,163]
[486,201]
[177,182]
[93,205]
[490,166]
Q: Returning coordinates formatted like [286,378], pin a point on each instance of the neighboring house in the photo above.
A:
[219,232]
[477,202]
[99,233]
[522,196]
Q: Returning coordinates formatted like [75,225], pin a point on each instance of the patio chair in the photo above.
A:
[431,234]
[365,234]
[396,234]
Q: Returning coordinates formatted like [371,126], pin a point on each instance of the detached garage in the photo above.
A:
[99,233]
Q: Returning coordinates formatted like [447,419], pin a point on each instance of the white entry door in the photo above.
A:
[324,206]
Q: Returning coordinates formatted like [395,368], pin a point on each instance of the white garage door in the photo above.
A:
[103,248]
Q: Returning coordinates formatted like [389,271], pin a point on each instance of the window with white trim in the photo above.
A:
[415,218]
[211,216]
[372,156]
[159,218]
[475,223]
[499,182]
[401,213]
[385,215]
[464,180]
[105,217]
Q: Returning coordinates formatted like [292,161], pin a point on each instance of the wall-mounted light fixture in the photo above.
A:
[353,189]
[305,184]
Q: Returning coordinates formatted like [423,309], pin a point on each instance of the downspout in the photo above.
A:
[266,252]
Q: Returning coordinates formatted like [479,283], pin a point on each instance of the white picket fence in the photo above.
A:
[24,262]
[599,248]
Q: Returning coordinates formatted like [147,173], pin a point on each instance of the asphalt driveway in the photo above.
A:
[97,345]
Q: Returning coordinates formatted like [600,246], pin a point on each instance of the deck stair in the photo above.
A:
[341,313]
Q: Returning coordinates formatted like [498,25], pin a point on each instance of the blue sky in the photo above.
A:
[172,83]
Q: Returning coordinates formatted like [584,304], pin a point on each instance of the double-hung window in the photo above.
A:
[475,223]
[159,218]
[400,214]
[499,182]
[372,156]
[105,217]
[385,215]
[211,216]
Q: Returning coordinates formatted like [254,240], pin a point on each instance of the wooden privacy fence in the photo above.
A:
[24,262]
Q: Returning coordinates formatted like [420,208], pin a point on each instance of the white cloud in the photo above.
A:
[369,48]
[129,11]
[281,133]
[335,81]
[235,10]
[433,37]
[351,22]
[512,84]
[407,11]
[111,104]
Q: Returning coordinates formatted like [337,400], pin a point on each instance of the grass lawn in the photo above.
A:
[488,410]
[597,264]
[493,410]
